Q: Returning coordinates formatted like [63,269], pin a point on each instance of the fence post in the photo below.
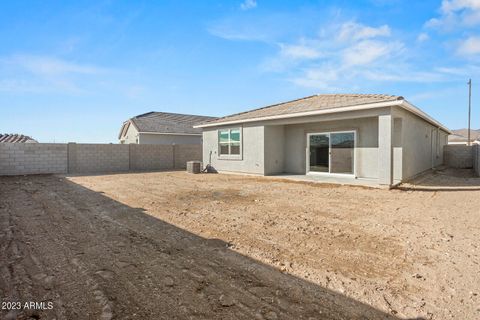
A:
[130,157]
[173,155]
[71,157]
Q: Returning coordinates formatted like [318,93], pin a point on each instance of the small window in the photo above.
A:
[229,142]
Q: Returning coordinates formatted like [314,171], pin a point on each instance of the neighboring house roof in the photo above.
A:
[321,104]
[165,122]
[16,138]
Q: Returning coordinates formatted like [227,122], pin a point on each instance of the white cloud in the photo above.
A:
[456,13]
[369,51]
[299,51]
[422,37]
[248,4]
[469,46]
[449,6]
[354,31]
[36,74]
[339,54]
[49,66]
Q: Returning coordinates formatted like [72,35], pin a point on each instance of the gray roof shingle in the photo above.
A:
[16,138]
[165,122]
[311,103]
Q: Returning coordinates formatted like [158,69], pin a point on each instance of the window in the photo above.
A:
[229,143]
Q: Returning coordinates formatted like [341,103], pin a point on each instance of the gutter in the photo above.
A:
[399,103]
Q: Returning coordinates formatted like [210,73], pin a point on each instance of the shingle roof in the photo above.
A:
[311,103]
[16,138]
[165,122]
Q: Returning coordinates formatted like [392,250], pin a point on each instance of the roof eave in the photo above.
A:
[400,103]
[307,113]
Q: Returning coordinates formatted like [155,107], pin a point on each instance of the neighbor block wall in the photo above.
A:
[148,157]
[32,158]
[42,158]
[458,156]
[97,158]
[476,159]
[186,152]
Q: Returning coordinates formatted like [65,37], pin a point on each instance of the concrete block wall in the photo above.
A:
[32,158]
[186,152]
[98,158]
[151,157]
[43,158]
[458,156]
[476,159]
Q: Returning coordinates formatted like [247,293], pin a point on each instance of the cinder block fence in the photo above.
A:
[462,156]
[40,158]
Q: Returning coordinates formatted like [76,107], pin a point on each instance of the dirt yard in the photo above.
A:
[169,245]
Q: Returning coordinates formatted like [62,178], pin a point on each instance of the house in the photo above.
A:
[380,138]
[162,128]
[16,138]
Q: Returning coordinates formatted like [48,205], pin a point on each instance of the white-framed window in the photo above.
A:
[230,143]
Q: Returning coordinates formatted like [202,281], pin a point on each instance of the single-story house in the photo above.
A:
[382,138]
[162,128]
[16,138]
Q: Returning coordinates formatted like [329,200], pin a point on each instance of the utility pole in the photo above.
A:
[469,107]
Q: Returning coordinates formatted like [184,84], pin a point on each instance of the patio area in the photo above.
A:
[331,179]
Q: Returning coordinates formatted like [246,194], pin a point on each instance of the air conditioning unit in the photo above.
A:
[194,166]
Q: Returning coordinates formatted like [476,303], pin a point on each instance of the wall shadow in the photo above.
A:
[444,179]
[128,264]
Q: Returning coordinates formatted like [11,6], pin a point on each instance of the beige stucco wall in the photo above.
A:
[131,135]
[366,146]
[279,146]
[420,149]
[252,160]
[274,153]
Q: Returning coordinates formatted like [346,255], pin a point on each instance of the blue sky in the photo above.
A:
[75,70]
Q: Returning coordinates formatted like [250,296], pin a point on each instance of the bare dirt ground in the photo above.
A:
[169,245]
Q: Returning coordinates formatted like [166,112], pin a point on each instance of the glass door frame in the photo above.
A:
[329,173]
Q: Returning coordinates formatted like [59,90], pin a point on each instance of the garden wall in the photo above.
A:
[40,158]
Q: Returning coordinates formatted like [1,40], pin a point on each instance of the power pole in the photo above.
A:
[469,108]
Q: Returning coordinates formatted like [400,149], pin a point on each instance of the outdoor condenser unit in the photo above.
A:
[194,166]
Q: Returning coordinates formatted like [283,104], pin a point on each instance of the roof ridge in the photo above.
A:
[153,113]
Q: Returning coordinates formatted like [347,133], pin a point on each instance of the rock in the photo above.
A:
[226,301]
[271,315]
[169,282]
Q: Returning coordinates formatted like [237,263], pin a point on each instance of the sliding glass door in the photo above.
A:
[319,152]
[332,152]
